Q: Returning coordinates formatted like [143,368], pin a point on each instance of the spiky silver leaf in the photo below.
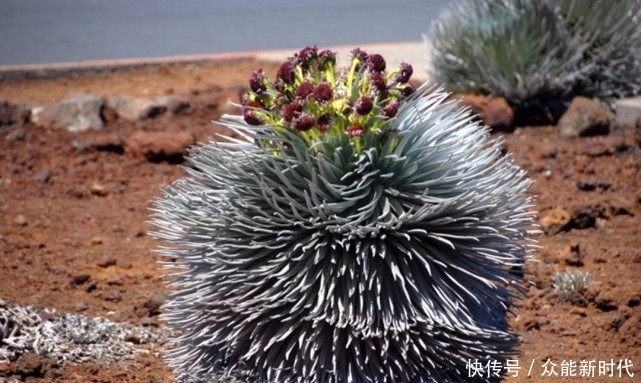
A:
[390,265]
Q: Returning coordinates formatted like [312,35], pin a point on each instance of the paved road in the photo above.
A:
[54,31]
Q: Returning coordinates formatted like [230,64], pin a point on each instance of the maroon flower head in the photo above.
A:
[406,73]
[290,111]
[364,106]
[257,81]
[378,80]
[326,58]
[306,55]
[355,130]
[361,54]
[323,92]
[304,90]
[303,122]
[251,117]
[391,109]
[286,72]
[376,62]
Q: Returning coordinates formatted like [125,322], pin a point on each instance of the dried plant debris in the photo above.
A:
[71,337]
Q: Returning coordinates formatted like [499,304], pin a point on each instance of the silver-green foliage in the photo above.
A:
[529,50]
[611,33]
[395,264]
[571,281]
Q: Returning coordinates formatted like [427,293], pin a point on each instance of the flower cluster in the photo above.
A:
[310,96]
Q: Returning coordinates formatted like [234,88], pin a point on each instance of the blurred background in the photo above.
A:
[55,31]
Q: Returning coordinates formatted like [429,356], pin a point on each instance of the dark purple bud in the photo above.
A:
[304,122]
[406,73]
[391,109]
[251,117]
[355,130]
[323,122]
[364,106]
[406,91]
[289,111]
[323,92]
[326,58]
[304,90]
[257,81]
[376,62]
[306,55]
[378,81]
[286,72]
[361,54]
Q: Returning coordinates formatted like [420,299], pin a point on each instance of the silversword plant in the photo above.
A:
[359,231]
[537,52]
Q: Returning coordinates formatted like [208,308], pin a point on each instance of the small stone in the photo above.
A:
[115,280]
[20,220]
[112,296]
[133,338]
[585,117]
[605,302]
[12,113]
[80,279]
[43,176]
[154,303]
[141,108]
[617,320]
[54,374]
[98,190]
[91,286]
[108,143]
[604,146]
[96,241]
[149,321]
[619,205]
[555,221]
[125,264]
[585,214]
[76,113]
[109,261]
[580,311]
[591,186]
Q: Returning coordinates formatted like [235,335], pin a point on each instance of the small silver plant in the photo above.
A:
[573,280]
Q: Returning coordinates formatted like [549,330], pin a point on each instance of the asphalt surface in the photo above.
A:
[66,31]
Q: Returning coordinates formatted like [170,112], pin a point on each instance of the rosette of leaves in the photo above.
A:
[538,53]
[516,49]
[333,254]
